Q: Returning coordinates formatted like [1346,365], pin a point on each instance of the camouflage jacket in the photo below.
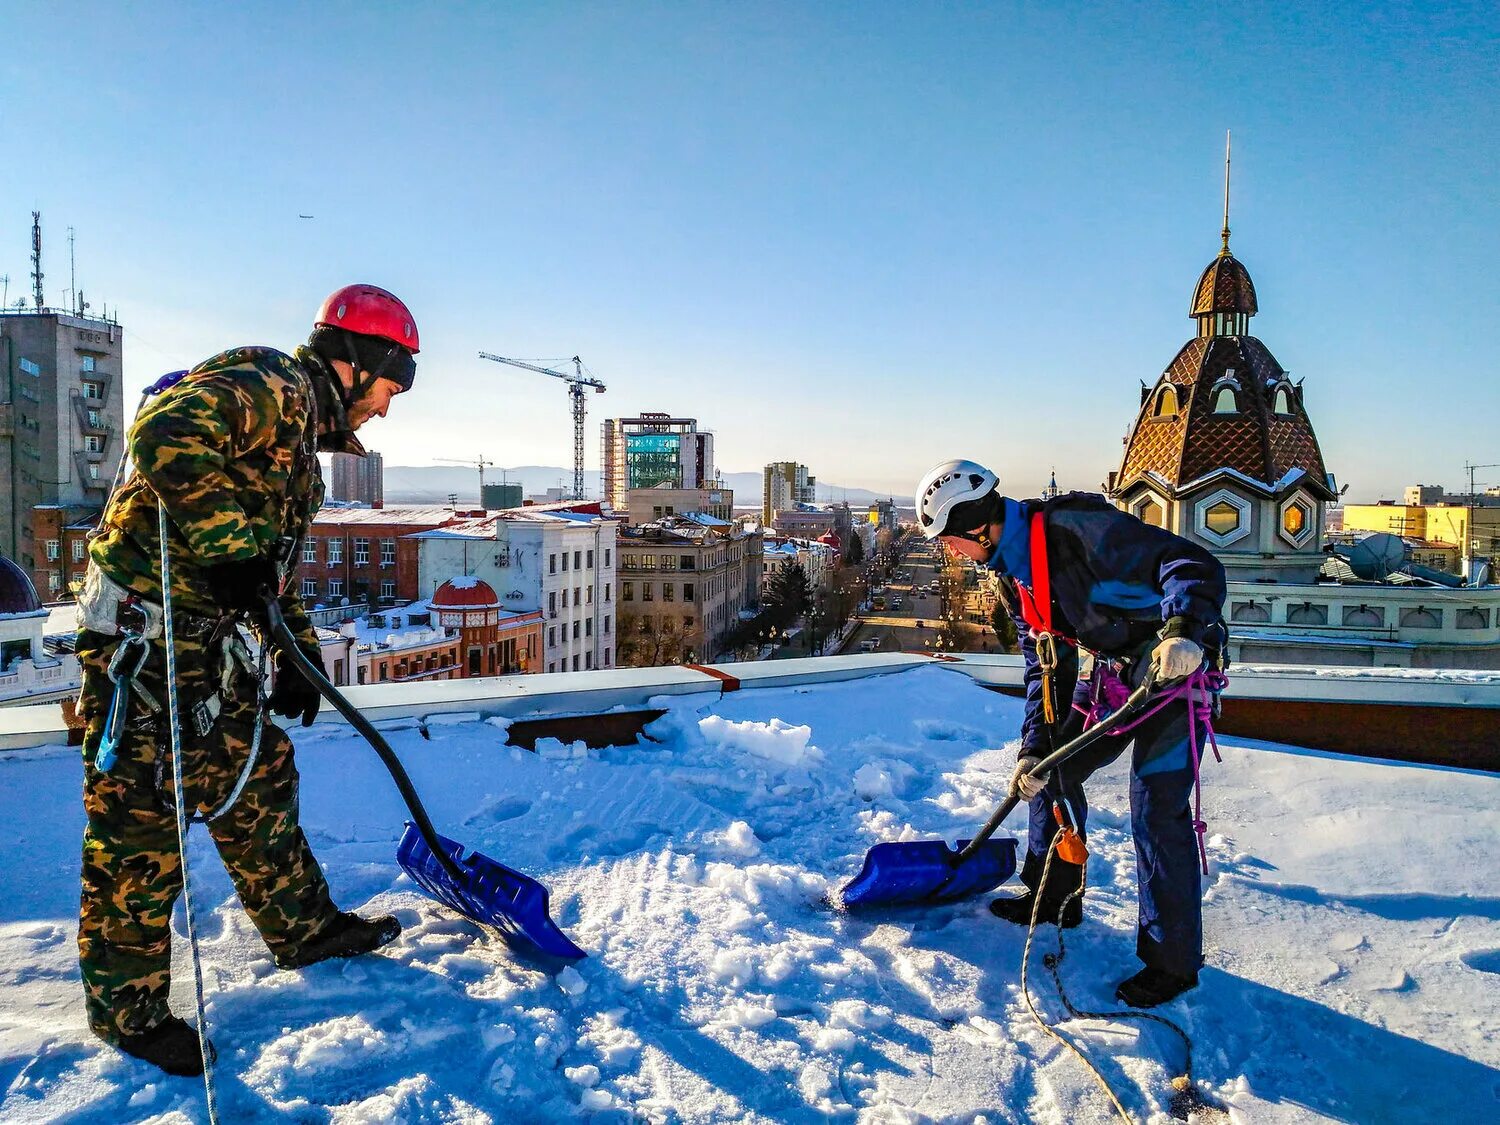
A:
[231,450]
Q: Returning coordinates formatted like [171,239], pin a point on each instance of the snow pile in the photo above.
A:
[1352,916]
[775,741]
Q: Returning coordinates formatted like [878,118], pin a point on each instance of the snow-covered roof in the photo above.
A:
[1350,959]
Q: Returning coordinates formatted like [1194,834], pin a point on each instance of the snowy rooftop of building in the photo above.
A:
[1352,938]
[395,514]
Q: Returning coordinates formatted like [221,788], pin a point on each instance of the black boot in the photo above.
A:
[1063,878]
[171,1045]
[1151,987]
[348,935]
[1018,909]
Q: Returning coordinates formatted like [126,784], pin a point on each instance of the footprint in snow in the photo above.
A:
[497,811]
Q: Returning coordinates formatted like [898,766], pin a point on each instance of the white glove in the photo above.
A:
[1175,658]
[1022,785]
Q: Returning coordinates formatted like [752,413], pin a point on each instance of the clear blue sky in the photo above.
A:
[866,237]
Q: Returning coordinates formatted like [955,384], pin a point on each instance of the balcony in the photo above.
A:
[81,408]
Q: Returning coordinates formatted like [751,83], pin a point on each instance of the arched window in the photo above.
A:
[1307,614]
[1250,613]
[1420,618]
[1367,617]
[1166,402]
[1282,403]
[1225,400]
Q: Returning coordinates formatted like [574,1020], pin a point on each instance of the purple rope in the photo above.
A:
[1107,692]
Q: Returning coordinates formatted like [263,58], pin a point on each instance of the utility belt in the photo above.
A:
[1111,678]
[110,609]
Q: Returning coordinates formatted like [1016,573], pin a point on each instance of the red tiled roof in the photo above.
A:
[1224,287]
[465,593]
[1195,442]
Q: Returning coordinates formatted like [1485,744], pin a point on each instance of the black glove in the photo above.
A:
[292,693]
[243,584]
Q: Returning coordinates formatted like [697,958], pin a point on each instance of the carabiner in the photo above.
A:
[119,704]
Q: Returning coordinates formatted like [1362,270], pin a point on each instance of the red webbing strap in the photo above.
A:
[1036,603]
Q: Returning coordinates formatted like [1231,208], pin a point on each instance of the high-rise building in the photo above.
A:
[358,480]
[62,418]
[654,451]
[784,484]
[506,494]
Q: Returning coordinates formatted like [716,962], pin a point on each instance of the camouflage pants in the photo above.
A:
[132,871]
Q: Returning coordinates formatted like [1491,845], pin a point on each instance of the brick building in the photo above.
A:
[354,553]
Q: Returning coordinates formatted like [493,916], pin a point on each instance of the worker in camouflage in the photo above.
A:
[229,449]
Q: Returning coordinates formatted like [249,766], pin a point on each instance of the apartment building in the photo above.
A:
[644,505]
[356,479]
[556,560]
[683,584]
[62,420]
[783,485]
[352,553]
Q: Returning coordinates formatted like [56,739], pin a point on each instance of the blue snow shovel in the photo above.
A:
[476,886]
[929,872]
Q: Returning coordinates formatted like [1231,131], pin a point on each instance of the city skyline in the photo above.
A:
[865,239]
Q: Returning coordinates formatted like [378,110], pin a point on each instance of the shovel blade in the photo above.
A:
[490,894]
[927,872]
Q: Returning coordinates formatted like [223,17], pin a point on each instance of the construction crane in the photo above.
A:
[576,382]
[478,462]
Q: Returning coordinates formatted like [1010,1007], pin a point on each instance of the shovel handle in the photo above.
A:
[1128,710]
[377,742]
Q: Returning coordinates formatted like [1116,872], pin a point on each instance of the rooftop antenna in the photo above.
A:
[1225,232]
[72,275]
[36,258]
[5,299]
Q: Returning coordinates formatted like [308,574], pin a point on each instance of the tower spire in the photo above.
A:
[1224,234]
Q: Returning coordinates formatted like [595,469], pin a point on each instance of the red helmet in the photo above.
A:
[370,311]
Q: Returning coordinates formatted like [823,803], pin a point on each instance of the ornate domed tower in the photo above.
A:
[1222,451]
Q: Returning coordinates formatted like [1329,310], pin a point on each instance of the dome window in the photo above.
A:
[1226,400]
[1298,520]
[1147,510]
[1166,402]
[1222,518]
[1282,401]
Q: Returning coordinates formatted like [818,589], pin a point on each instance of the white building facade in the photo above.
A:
[560,561]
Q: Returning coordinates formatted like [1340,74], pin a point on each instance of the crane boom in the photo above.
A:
[480,462]
[576,384]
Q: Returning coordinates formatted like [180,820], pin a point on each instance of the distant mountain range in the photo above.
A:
[432,484]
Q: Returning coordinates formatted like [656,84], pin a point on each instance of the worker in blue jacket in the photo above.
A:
[1142,601]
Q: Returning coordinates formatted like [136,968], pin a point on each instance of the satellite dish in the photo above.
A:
[1376,556]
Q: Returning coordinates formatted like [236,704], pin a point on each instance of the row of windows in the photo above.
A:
[658,562]
[360,544]
[648,591]
[1361,616]
[582,595]
[587,663]
[54,550]
[588,630]
[579,562]
[334,588]
[1225,400]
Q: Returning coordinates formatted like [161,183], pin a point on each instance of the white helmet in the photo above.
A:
[946,487]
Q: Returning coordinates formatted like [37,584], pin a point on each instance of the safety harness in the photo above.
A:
[1107,693]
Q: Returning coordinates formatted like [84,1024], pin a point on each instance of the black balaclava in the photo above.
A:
[374,356]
